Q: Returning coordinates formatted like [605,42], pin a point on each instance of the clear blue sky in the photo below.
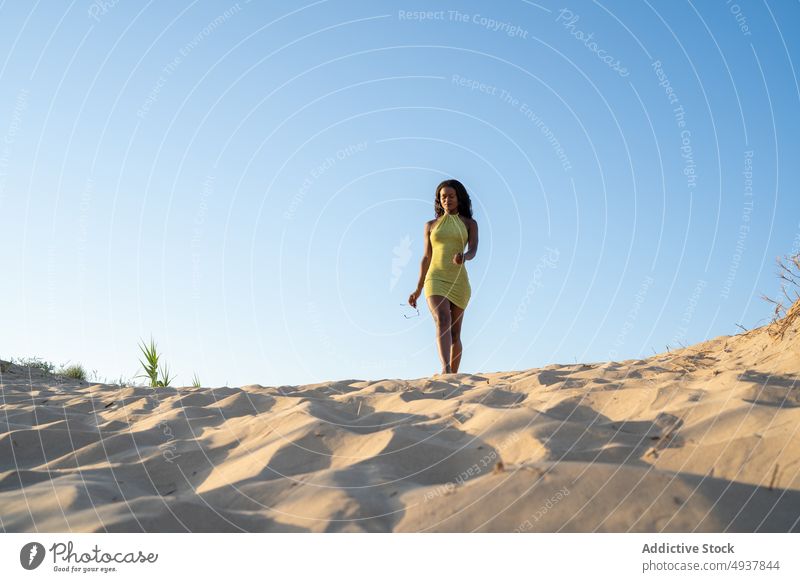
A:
[248,182]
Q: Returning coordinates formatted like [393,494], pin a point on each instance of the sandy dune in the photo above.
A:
[700,439]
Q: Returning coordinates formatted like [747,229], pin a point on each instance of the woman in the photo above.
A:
[442,273]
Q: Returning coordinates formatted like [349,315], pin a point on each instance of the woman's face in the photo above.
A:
[449,199]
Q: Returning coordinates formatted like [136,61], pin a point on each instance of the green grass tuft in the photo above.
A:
[75,371]
[157,374]
[164,378]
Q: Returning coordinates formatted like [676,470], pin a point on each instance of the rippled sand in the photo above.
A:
[700,439]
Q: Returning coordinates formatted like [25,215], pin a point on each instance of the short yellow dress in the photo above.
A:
[448,236]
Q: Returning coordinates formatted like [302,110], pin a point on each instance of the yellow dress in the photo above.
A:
[448,236]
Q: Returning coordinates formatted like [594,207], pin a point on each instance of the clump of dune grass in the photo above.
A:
[123,381]
[195,381]
[35,363]
[787,308]
[157,373]
[75,371]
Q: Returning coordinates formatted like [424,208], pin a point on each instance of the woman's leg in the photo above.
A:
[456,317]
[440,309]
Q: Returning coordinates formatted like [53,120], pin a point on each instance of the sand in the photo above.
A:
[701,439]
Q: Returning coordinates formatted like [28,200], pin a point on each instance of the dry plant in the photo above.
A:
[787,308]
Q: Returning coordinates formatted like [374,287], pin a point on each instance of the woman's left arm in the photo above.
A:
[472,240]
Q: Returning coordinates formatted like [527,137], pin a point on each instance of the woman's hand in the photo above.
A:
[458,258]
[412,299]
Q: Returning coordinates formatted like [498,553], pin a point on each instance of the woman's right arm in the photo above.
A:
[426,258]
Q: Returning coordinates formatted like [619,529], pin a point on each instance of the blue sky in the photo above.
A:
[248,182]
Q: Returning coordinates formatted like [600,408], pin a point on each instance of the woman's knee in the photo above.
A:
[455,327]
[455,330]
[442,318]
[440,309]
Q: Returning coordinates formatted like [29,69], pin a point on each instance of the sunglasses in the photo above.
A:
[410,316]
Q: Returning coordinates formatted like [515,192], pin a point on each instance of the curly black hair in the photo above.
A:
[464,202]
